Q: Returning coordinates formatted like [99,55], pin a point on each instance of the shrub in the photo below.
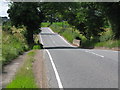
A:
[37,47]
[108,35]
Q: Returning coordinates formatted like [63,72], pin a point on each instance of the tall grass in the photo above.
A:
[109,44]
[64,30]
[13,44]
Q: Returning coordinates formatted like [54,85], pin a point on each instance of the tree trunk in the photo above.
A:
[29,36]
[115,27]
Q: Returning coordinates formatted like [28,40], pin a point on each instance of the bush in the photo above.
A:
[38,46]
[108,35]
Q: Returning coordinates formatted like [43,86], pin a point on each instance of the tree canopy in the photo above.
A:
[87,17]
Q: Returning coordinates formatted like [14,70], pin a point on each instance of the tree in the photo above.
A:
[55,11]
[112,12]
[86,18]
[27,14]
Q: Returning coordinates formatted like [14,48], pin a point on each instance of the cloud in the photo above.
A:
[3,8]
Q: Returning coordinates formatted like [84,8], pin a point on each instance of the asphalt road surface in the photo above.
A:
[71,67]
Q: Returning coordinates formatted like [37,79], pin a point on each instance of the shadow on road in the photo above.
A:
[48,34]
[61,47]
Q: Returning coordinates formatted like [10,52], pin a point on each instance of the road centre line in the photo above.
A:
[54,67]
[95,54]
[107,50]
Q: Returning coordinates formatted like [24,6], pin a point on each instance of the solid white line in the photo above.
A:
[65,40]
[54,67]
[60,37]
[55,70]
[50,30]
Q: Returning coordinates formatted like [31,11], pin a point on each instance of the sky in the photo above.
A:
[3,8]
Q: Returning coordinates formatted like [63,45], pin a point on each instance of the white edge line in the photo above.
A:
[54,67]
[64,40]
[60,37]
[50,30]
[55,70]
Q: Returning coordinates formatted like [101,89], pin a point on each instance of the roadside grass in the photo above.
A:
[69,34]
[109,44]
[12,45]
[44,24]
[64,30]
[24,77]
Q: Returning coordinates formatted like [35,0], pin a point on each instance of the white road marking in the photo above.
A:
[61,38]
[55,70]
[106,50]
[65,40]
[50,30]
[95,54]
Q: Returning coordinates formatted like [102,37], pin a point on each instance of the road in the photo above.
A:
[71,67]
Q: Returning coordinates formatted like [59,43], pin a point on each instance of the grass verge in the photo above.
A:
[109,44]
[64,30]
[24,77]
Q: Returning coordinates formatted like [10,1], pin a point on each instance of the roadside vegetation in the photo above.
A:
[24,77]
[13,42]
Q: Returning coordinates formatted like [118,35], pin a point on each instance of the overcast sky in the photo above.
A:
[3,8]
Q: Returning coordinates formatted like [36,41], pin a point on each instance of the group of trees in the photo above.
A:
[87,17]
[27,14]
